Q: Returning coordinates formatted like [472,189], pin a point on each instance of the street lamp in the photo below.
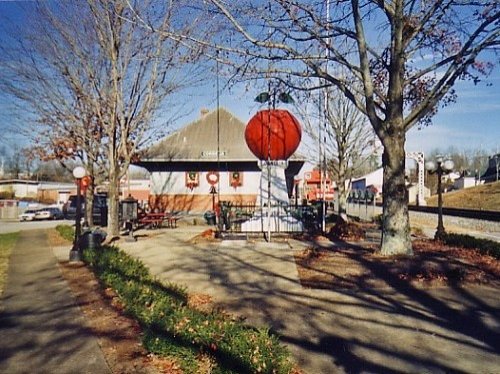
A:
[439,167]
[75,254]
[497,165]
[270,97]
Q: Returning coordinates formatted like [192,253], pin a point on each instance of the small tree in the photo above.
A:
[349,140]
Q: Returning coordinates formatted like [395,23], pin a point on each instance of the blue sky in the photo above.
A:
[473,122]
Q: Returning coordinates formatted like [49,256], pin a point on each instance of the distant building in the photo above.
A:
[373,180]
[466,182]
[20,188]
[413,193]
[57,193]
[492,173]
[313,187]
[48,192]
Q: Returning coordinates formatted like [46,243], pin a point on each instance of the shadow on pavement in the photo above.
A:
[396,329]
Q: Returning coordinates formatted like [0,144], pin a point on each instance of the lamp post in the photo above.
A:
[497,166]
[270,97]
[439,167]
[75,254]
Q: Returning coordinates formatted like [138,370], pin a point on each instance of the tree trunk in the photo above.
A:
[113,196]
[395,223]
[342,201]
[89,205]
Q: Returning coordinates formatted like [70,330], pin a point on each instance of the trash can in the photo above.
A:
[210,217]
[92,239]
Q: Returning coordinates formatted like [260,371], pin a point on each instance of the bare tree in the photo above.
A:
[46,87]
[101,80]
[353,142]
[349,140]
[396,61]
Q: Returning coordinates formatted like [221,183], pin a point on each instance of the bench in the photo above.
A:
[152,220]
[171,219]
[156,220]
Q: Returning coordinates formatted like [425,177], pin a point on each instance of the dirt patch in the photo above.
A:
[346,266]
[118,335]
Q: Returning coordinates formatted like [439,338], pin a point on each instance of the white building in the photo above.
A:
[187,175]
[20,188]
[372,180]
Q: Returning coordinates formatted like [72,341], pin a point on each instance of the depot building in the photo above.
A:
[208,161]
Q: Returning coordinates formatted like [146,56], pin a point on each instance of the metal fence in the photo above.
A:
[276,218]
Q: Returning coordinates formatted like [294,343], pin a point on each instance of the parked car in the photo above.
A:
[49,213]
[99,212]
[27,215]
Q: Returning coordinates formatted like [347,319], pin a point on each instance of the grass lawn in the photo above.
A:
[7,242]
[484,197]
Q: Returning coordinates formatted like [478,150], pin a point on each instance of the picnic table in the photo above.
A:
[156,220]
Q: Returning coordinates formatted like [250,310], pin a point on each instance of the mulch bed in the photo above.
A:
[359,266]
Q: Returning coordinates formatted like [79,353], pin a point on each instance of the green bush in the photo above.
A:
[7,195]
[175,329]
[486,246]
[66,231]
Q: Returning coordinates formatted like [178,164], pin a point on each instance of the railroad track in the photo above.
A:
[484,215]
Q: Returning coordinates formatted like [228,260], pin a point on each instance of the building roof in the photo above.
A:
[198,141]
[18,181]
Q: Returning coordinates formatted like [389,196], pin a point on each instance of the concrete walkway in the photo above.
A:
[397,329]
[41,327]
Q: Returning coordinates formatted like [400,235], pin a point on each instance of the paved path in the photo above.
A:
[397,329]
[41,327]
[15,226]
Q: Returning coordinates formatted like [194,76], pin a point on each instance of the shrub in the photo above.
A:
[7,195]
[66,231]
[486,246]
[173,328]
[378,220]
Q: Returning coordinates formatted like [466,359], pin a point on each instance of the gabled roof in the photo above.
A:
[18,181]
[198,141]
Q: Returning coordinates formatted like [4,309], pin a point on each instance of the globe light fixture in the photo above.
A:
[439,167]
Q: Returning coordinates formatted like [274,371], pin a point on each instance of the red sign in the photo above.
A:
[85,182]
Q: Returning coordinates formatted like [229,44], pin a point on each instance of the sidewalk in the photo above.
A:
[41,327]
[390,330]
